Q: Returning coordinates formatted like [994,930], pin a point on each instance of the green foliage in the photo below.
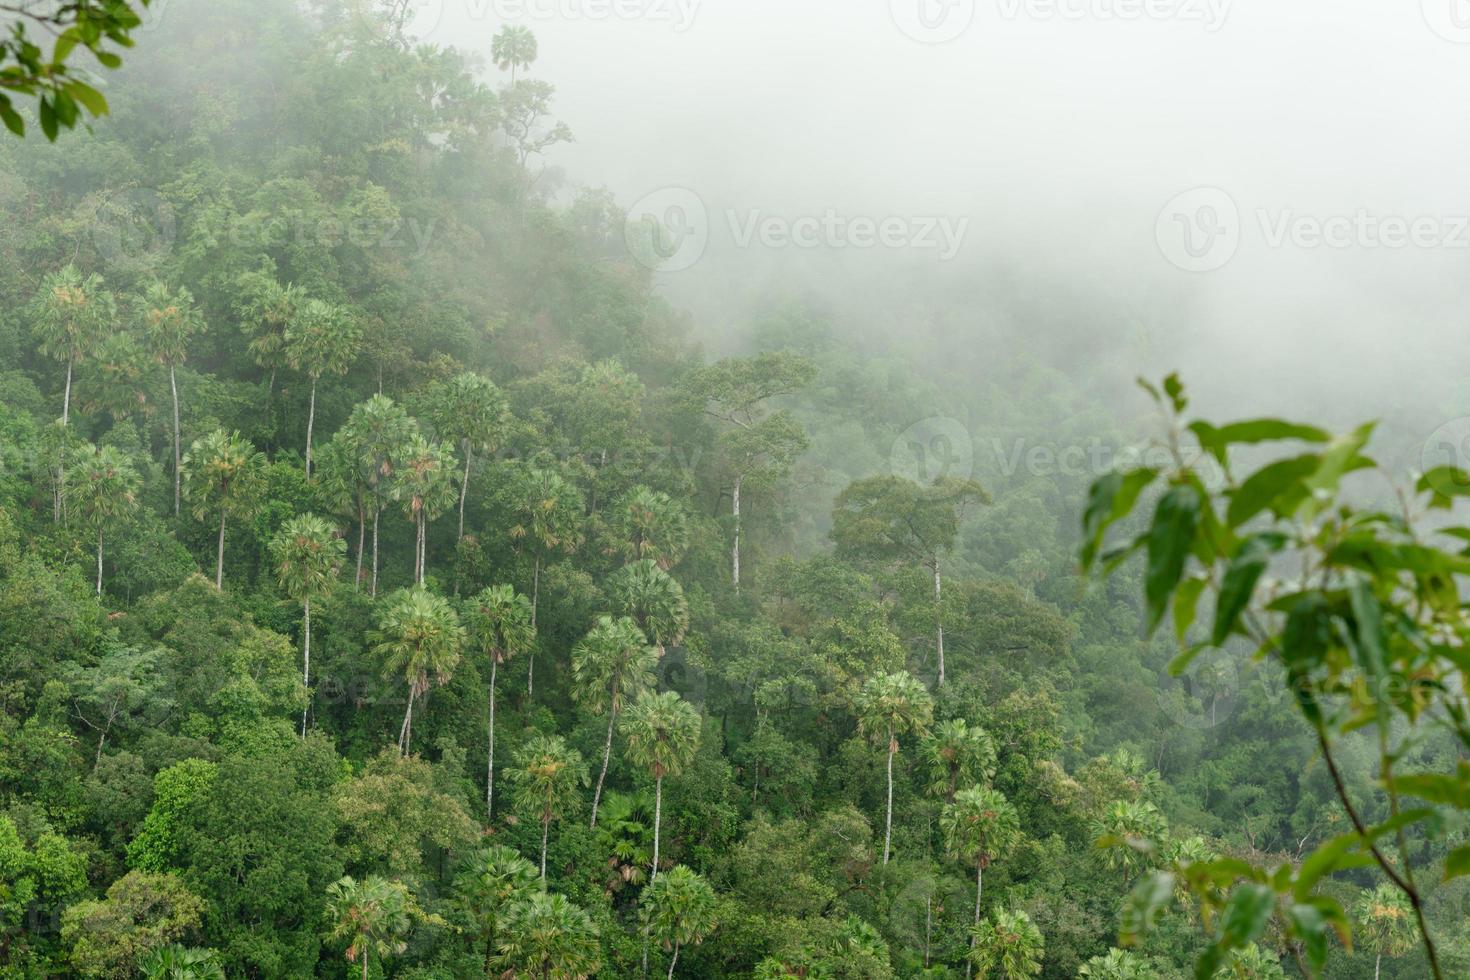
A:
[1008,946]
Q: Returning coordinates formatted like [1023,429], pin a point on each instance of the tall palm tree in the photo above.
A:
[662,732]
[105,484]
[544,781]
[549,937]
[1008,946]
[958,755]
[424,484]
[321,338]
[116,384]
[979,826]
[373,916]
[1385,924]
[500,627]
[308,557]
[1129,833]
[653,599]
[419,637]
[888,706]
[513,47]
[649,524]
[611,666]
[167,319]
[341,486]
[677,910]
[548,514]
[265,308]
[176,962]
[469,411]
[73,315]
[381,432]
[220,472]
[492,881]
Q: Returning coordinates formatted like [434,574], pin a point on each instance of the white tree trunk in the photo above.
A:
[464,491]
[673,961]
[306,662]
[490,751]
[545,827]
[310,422]
[888,821]
[361,539]
[405,733]
[979,885]
[178,480]
[938,621]
[606,755]
[531,654]
[219,556]
[735,550]
[658,816]
[99,560]
[377,511]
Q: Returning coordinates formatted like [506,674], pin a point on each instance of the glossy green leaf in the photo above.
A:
[1169,541]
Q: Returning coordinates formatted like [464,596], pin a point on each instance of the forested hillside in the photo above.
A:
[391,585]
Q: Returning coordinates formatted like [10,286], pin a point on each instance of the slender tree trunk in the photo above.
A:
[310,423]
[490,751]
[938,621]
[735,550]
[673,961]
[361,539]
[545,828]
[219,556]
[418,549]
[61,453]
[306,662]
[364,965]
[979,887]
[405,729]
[658,815]
[928,926]
[377,511]
[66,397]
[531,654]
[464,491]
[606,754]
[173,384]
[1377,965]
[888,821]
[99,560]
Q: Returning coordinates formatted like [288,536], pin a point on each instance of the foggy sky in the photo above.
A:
[1059,131]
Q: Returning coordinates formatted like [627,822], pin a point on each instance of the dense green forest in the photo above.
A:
[391,584]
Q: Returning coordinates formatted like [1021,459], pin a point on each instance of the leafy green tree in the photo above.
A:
[105,486]
[757,442]
[64,95]
[221,472]
[122,687]
[979,827]
[1129,833]
[662,731]
[549,937]
[652,599]
[493,880]
[524,108]
[381,433]
[499,621]
[548,515]
[321,338]
[611,666]
[891,519]
[677,910]
[176,962]
[1008,946]
[1385,924]
[1118,964]
[175,789]
[167,320]
[888,706]
[958,755]
[649,524]
[512,47]
[419,638]
[424,483]
[115,382]
[266,308]
[544,782]
[373,916]
[140,913]
[469,411]
[308,556]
